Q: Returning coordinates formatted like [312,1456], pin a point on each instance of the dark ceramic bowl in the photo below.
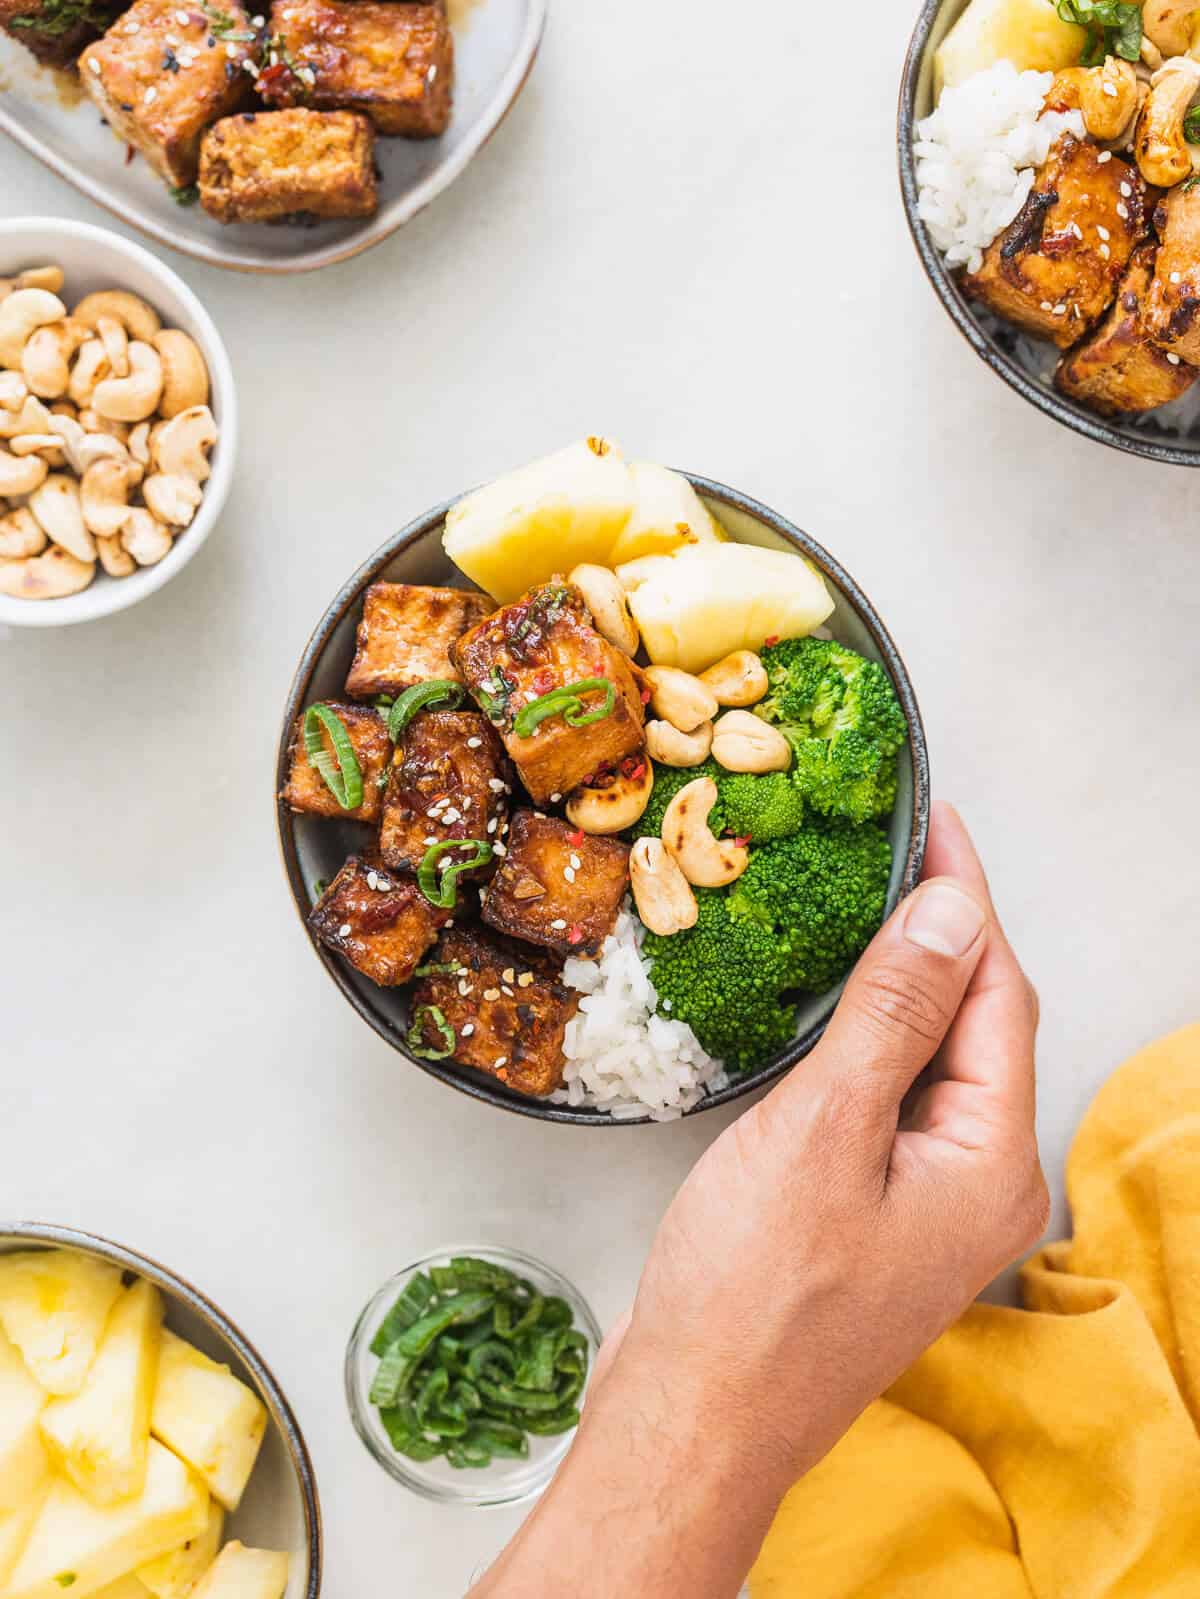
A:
[1170,434]
[281,1509]
[314,848]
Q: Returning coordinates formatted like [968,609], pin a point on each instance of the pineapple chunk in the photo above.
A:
[53,1305]
[241,1573]
[542,519]
[207,1417]
[23,1463]
[667,515]
[125,1588]
[174,1576]
[1029,33]
[15,1527]
[711,599]
[99,1435]
[76,1545]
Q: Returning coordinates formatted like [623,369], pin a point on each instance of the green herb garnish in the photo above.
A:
[187,194]
[416,1034]
[473,1361]
[55,18]
[494,694]
[440,886]
[439,693]
[225,26]
[566,702]
[341,773]
[1191,126]
[1114,28]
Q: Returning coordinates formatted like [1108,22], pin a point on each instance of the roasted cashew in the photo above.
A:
[613,809]
[51,576]
[115,340]
[740,679]
[104,497]
[115,558]
[185,373]
[14,391]
[21,474]
[1106,96]
[33,417]
[1163,154]
[20,535]
[48,445]
[705,861]
[136,397]
[173,499]
[663,896]
[139,444]
[669,747]
[145,537]
[46,358]
[1168,24]
[605,599]
[24,311]
[680,698]
[91,364]
[138,319]
[56,504]
[743,742]
[50,278]
[181,447]
[93,422]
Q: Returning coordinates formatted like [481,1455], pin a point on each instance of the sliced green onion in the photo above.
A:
[566,702]
[441,888]
[444,968]
[416,1034]
[411,1306]
[439,693]
[342,774]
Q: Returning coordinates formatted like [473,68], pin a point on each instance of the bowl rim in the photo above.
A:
[481,1088]
[387,221]
[358,1401]
[54,1235]
[1048,401]
[118,595]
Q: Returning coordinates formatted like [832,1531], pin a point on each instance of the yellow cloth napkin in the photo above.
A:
[1050,1452]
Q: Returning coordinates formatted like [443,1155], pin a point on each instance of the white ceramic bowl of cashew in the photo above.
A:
[93,259]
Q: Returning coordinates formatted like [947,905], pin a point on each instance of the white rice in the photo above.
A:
[976,155]
[622,1057]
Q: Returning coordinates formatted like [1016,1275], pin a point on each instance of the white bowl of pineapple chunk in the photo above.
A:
[146,1452]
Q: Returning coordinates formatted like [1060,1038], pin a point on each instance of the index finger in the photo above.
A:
[991,1044]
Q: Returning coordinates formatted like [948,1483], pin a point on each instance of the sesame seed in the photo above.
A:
[1103,232]
[384,885]
[1046,306]
[150,96]
[1174,359]
[1105,251]
[501,1060]
[182,18]
[468,1029]
[464,987]
[576,862]
[1077,230]
[569,873]
[372,880]
[133,27]
[1110,90]
[474,743]
[499,849]
[307,75]
[1060,310]
[432,839]
[496,786]
[258,21]
[248,65]
[433,813]
[431,74]
[445,864]
[509,975]
[491,826]
[344,930]
[668,1004]
[1123,211]
[95,66]
[525,979]
[505,989]
[558,925]
[1105,155]
[1127,191]
[1176,277]
[554,798]
[491,993]
[452,815]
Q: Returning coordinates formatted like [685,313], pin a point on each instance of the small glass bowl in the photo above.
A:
[504,1482]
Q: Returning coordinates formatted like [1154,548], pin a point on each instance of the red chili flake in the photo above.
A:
[576,837]
[627,766]
[575,934]
[543,681]
[272,75]
[741,839]
[772,638]
[130,152]
[646,696]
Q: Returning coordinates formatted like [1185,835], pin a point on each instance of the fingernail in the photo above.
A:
[944,919]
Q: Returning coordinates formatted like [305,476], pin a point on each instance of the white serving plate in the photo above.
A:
[496,42]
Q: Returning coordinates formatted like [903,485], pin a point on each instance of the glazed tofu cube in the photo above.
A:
[541,642]
[52,32]
[165,72]
[1055,269]
[406,634]
[306,790]
[556,886]
[507,1008]
[392,61]
[378,921]
[1117,370]
[267,165]
[450,779]
[1172,315]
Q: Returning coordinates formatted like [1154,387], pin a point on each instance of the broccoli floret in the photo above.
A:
[820,896]
[841,716]
[748,806]
[724,977]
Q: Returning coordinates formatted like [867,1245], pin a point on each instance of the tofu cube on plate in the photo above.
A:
[556,886]
[450,778]
[306,790]
[376,919]
[405,636]
[262,166]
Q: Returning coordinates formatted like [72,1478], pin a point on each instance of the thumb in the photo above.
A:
[899,1004]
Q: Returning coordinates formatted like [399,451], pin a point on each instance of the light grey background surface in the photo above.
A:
[688,235]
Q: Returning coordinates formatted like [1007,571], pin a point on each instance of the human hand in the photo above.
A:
[819,1246]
